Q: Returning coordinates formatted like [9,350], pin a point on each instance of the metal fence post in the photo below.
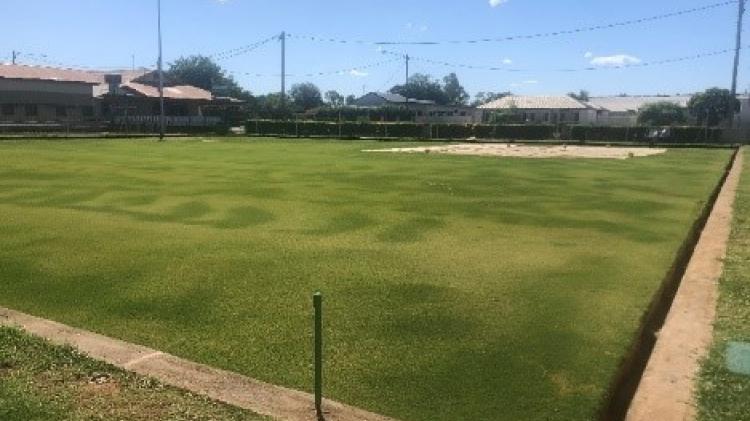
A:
[318,306]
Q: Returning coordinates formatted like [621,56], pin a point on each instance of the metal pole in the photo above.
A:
[161,81]
[15,55]
[318,305]
[406,57]
[283,68]
[738,47]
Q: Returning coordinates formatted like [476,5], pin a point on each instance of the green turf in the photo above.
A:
[724,395]
[42,382]
[455,287]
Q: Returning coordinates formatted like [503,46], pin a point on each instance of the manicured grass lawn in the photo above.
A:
[724,395]
[456,288]
[40,382]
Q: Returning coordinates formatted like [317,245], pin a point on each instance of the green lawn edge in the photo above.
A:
[723,395]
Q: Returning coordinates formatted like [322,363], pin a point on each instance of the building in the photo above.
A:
[132,98]
[45,95]
[543,109]
[424,111]
[32,94]
[623,110]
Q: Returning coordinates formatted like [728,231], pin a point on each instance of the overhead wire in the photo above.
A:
[546,34]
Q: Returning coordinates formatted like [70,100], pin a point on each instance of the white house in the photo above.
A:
[544,109]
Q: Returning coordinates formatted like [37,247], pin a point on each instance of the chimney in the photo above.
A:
[114,82]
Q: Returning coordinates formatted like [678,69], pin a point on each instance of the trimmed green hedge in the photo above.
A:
[397,130]
[645,134]
[482,131]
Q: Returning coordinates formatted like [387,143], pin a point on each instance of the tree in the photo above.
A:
[334,99]
[421,86]
[582,95]
[662,113]
[306,96]
[713,106]
[350,99]
[454,92]
[204,73]
[482,98]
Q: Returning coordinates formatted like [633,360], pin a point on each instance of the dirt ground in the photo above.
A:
[528,151]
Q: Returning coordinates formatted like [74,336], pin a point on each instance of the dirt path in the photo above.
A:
[510,150]
[666,390]
[223,386]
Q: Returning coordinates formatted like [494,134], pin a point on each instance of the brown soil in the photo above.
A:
[666,390]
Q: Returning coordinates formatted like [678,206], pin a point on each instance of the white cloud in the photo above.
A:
[495,3]
[507,61]
[357,73]
[530,82]
[588,54]
[615,60]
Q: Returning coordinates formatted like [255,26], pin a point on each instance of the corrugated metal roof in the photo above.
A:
[535,103]
[16,71]
[624,104]
[400,99]
[171,92]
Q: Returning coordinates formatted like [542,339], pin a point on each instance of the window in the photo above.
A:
[9,109]
[31,110]
[61,111]
[87,111]
[546,117]
[576,117]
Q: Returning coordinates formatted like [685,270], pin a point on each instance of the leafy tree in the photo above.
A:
[482,98]
[662,113]
[350,99]
[421,86]
[306,96]
[713,106]
[204,73]
[582,95]
[270,106]
[455,93]
[334,99]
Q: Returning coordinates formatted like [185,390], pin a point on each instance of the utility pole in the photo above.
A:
[736,67]
[407,58]
[283,67]
[161,80]
[15,56]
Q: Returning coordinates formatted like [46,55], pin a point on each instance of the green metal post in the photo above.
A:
[318,305]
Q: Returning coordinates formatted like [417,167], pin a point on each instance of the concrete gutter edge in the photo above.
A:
[224,386]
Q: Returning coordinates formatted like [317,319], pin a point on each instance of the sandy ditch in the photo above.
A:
[528,151]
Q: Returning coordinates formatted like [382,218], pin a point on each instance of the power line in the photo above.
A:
[580,69]
[326,73]
[225,55]
[549,34]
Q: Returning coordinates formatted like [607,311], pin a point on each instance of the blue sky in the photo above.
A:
[107,33]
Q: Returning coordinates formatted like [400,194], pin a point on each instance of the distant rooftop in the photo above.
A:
[535,103]
[624,104]
[23,72]
[170,92]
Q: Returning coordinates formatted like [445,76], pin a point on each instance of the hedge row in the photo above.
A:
[484,131]
[646,134]
[398,130]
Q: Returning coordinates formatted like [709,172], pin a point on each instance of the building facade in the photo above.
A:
[30,94]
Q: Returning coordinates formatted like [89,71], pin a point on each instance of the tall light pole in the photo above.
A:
[282,37]
[161,79]
[738,47]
